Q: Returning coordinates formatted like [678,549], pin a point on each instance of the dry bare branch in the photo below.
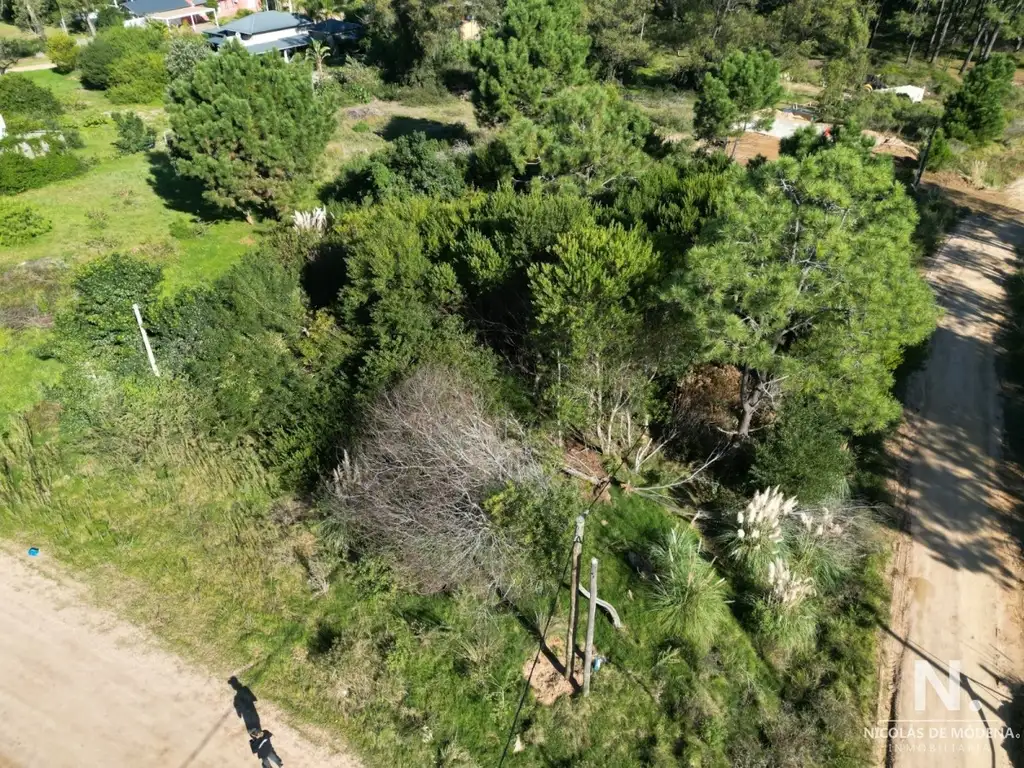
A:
[429,458]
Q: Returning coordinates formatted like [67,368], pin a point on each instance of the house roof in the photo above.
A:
[146,7]
[283,44]
[258,23]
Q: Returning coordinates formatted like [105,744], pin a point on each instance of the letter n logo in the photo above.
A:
[948,691]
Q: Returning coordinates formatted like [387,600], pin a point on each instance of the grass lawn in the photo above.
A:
[10,30]
[127,203]
[366,128]
[23,375]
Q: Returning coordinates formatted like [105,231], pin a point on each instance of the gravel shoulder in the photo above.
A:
[80,687]
[956,602]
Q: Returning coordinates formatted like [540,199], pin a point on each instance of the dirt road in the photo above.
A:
[78,687]
[955,627]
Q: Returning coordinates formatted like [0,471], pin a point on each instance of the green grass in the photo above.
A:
[23,374]
[113,206]
[10,30]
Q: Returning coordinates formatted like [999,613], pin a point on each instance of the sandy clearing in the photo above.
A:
[79,687]
[956,601]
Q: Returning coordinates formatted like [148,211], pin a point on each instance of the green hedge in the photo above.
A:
[18,173]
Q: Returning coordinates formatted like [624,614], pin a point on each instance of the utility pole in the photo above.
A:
[588,653]
[924,156]
[574,597]
[145,341]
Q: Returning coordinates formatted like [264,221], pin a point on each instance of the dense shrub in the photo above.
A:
[690,596]
[804,454]
[20,222]
[100,321]
[977,113]
[111,17]
[249,128]
[26,105]
[940,154]
[133,135]
[892,113]
[96,60]
[14,48]
[18,173]
[184,52]
[412,164]
[138,78]
[62,50]
[359,83]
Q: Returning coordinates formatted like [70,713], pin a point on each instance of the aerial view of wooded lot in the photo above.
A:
[511,382]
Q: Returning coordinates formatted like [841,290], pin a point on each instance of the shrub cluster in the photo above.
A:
[101,67]
[20,222]
[18,173]
[133,135]
[27,106]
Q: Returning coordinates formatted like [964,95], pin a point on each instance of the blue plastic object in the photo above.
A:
[33,551]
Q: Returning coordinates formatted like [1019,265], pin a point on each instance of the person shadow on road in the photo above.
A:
[245,706]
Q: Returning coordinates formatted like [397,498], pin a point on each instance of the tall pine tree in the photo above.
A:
[250,128]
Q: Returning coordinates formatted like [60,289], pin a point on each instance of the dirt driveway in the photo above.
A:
[956,643]
[78,687]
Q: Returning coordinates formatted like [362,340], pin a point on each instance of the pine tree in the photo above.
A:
[806,282]
[714,113]
[538,49]
[250,128]
[976,113]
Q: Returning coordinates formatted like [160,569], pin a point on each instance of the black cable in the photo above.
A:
[536,658]
[551,614]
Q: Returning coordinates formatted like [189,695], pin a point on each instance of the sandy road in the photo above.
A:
[957,604]
[78,687]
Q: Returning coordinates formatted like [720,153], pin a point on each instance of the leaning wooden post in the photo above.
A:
[588,652]
[145,341]
[574,597]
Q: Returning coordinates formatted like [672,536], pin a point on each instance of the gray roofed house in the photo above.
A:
[264,22]
[263,32]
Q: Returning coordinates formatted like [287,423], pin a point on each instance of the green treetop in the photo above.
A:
[249,128]
[976,113]
[538,49]
[805,281]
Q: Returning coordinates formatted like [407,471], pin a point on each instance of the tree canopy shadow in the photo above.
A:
[403,125]
[181,193]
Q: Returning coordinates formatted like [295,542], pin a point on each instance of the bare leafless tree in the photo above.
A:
[417,483]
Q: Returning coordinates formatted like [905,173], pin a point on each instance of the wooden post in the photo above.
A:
[924,157]
[145,341]
[574,597]
[588,652]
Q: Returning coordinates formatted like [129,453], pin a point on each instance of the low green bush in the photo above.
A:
[18,173]
[21,48]
[186,229]
[690,597]
[359,83]
[138,78]
[804,454]
[62,50]
[96,61]
[940,153]
[20,222]
[25,105]
[133,135]
[184,52]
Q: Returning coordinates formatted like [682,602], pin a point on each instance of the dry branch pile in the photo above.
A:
[429,458]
